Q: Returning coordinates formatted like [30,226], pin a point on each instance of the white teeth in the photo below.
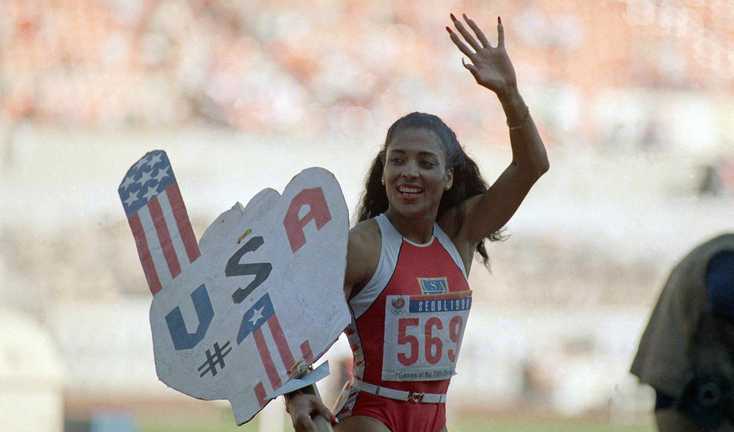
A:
[409,189]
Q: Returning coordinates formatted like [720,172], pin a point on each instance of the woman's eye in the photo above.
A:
[427,164]
[396,160]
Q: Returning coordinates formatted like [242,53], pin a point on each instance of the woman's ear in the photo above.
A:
[449,179]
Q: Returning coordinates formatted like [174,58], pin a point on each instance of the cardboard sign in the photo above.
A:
[240,313]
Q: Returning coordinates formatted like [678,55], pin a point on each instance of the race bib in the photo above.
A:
[423,335]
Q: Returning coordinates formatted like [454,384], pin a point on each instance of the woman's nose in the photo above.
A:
[410,170]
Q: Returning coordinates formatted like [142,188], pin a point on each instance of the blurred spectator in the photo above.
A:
[710,183]
[687,350]
[537,385]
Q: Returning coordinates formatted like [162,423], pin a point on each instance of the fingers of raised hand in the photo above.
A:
[461,45]
[482,43]
[480,34]
[465,33]
[471,69]
[500,33]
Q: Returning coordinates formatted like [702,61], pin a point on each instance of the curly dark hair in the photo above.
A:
[468,181]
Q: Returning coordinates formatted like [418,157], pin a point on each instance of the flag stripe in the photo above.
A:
[306,351]
[183,222]
[260,394]
[281,342]
[178,245]
[164,236]
[262,349]
[154,246]
[144,253]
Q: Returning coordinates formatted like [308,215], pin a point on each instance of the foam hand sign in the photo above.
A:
[238,314]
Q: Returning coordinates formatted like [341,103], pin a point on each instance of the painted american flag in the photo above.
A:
[157,216]
[269,339]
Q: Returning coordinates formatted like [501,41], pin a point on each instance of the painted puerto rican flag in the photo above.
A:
[271,344]
[157,216]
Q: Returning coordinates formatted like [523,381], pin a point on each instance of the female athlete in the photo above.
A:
[425,212]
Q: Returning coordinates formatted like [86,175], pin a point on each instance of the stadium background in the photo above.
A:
[633,99]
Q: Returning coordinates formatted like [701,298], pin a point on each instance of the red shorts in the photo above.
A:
[399,416]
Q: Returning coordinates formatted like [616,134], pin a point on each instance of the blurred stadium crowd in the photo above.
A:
[312,67]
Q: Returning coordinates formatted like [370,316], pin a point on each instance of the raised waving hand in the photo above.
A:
[490,65]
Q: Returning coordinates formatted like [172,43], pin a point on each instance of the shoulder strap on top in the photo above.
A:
[448,244]
[390,242]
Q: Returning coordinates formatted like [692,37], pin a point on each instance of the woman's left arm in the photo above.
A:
[492,69]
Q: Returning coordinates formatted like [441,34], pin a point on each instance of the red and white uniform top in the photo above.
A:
[408,320]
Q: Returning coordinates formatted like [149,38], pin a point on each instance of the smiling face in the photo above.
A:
[415,173]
